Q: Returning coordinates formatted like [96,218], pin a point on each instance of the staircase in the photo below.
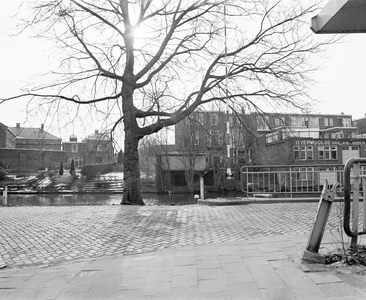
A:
[114,185]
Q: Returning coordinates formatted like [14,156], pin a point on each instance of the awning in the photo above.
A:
[341,16]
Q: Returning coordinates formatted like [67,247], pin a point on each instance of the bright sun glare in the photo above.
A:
[140,35]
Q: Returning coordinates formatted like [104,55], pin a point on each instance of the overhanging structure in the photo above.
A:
[341,16]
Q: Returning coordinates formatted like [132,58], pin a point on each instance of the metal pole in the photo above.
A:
[321,218]
[228,158]
[364,202]
[356,203]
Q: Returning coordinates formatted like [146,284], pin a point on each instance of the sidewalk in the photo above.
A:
[263,268]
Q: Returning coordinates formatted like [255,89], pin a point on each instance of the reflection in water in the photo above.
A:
[92,199]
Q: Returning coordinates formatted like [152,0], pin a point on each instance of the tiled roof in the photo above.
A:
[32,133]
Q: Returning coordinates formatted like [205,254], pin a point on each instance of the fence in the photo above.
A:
[289,180]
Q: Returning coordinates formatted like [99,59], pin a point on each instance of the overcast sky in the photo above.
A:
[341,83]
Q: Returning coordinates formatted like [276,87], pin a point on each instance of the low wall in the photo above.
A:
[29,159]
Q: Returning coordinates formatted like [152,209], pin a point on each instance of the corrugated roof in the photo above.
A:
[32,133]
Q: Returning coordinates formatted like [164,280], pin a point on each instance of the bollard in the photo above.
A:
[5,196]
[202,188]
[321,218]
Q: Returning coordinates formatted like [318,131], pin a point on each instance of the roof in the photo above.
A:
[341,16]
[32,133]
[98,137]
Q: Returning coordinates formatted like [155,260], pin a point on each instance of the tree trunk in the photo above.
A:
[131,172]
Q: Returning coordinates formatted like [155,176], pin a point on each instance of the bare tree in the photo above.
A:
[149,64]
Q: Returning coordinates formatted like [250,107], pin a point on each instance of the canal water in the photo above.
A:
[92,199]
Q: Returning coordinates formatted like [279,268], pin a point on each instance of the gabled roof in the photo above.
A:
[32,133]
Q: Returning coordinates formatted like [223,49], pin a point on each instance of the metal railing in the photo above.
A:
[289,181]
[354,181]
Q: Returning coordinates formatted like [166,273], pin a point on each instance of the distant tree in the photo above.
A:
[156,62]
[72,167]
[61,169]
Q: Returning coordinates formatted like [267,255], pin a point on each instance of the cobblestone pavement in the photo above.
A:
[45,235]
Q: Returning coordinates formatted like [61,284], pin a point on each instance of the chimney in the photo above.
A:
[42,128]
[96,131]
[73,138]
[18,125]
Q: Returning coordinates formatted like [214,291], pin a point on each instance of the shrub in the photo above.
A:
[72,167]
[90,171]
[3,173]
[61,169]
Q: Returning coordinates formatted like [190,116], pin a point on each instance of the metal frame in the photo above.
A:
[353,163]
[288,179]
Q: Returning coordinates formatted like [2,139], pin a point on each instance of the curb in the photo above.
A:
[253,200]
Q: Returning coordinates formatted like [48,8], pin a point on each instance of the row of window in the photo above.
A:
[307,152]
[263,122]
[324,152]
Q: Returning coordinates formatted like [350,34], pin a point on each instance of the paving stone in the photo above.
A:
[339,290]
[204,274]
[281,293]
[245,290]
[212,285]
[184,280]
[103,245]
[184,293]
[324,277]
[208,264]
[268,281]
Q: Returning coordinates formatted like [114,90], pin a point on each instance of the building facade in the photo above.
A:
[309,139]
[95,148]
[268,139]
[7,138]
[35,138]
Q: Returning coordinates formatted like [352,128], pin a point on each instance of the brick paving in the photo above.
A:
[31,236]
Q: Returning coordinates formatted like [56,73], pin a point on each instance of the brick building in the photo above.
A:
[308,139]
[7,137]
[95,148]
[35,138]
[268,139]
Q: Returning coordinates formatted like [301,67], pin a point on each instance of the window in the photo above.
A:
[262,123]
[303,153]
[214,119]
[78,162]
[334,152]
[304,173]
[200,118]
[309,152]
[213,138]
[279,121]
[346,123]
[297,152]
[330,122]
[195,138]
[99,148]
[327,152]
[305,122]
[74,148]
[326,122]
